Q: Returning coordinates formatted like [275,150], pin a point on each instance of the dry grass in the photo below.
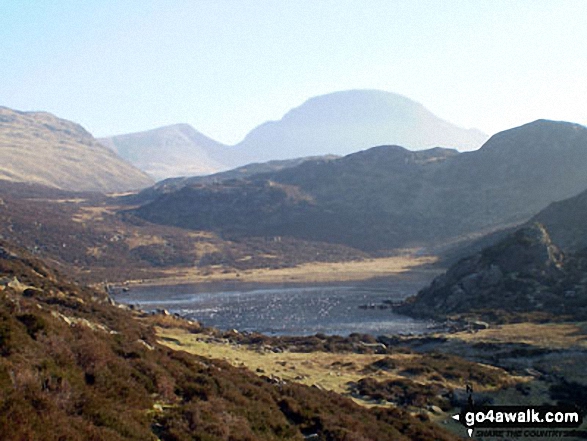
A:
[314,272]
[203,248]
[93,214]
[549,335]
[138,240]
[202,235]
[324,370]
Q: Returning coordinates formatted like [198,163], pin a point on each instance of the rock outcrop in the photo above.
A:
[525,272]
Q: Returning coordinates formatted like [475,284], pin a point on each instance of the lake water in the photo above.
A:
[289,310]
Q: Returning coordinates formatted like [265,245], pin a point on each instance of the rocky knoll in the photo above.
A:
[564,220]
[236,173]
[37,147]
[525,272]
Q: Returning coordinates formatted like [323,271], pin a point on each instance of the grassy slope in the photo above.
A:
[41,148]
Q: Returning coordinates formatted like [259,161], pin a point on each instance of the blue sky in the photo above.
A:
[225,66]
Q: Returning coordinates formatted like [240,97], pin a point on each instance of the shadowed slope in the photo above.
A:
[390,197]
[523,273]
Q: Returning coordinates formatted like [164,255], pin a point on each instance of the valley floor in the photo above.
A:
[314,272]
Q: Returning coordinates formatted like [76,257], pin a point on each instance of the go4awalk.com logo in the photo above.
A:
[520,421]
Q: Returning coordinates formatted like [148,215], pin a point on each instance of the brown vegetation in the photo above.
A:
[357,366]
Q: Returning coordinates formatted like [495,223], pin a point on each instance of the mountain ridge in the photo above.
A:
[565,220]
[338,123]
[388,197]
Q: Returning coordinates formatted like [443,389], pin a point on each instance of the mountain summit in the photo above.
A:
[347,121]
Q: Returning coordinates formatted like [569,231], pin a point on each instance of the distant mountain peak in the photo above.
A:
[348,121]
[360,102]
[390,197]
[183,128]
[170,151]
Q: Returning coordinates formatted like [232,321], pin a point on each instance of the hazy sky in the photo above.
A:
[226,66]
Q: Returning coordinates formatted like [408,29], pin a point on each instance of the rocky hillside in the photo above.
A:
[237,173]
[389,197]
[177,150]
[566,222]
[38,147]
[74,366]
[525,272]
[324,201]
